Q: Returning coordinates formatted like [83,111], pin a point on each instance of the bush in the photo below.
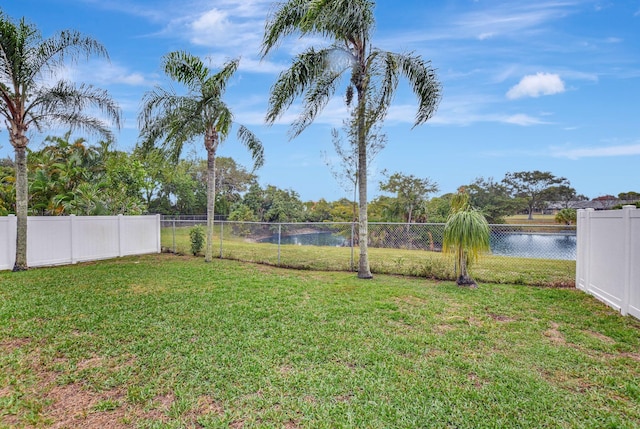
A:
[197,239]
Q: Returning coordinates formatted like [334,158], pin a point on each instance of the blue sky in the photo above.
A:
[546,85]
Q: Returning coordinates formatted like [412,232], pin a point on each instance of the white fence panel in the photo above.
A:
[608,257]
[8,226]
[48,241]
[139,235]
[70,239]
[96,237]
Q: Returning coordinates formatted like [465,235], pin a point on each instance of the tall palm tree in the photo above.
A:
[28,100]
[315,76]
[177,119]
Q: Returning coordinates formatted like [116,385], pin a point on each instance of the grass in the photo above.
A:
[538,219]
[165,341]
[433,265]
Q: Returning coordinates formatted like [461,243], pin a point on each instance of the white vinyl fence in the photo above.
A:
[608,257]
[59,240]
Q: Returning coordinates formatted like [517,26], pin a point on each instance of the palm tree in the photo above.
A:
[316,75]
[466,235]
[177,119]
[28,100]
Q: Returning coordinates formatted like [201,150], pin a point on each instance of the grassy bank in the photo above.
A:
[165,341]
[420,263]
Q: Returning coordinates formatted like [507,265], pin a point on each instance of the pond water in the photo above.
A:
[546,246]
[310,239]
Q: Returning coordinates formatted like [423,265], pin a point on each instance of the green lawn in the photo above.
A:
[167,341]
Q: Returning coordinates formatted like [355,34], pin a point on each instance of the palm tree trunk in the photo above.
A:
[22,201]
[211,145]
[364,272]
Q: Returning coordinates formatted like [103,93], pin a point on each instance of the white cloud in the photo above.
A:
[523,120]
[537,85]
[598,152]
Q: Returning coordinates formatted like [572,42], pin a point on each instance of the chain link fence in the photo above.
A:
[521,254]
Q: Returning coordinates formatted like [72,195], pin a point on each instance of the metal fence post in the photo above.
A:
[221,232]
[353,227]
[279,235]
[174,236]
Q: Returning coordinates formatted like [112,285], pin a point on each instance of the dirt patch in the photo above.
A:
[554,335]
[74,406]
[14,343]
[501,318]
[597,335]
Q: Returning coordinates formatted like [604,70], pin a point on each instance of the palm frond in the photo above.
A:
[65,103]
[185,68]
[307,67]
[283,22]
[424,83]
[254,145]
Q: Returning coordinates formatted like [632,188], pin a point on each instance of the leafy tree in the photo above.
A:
[466,235]
[492,198]
[201,113]
[563,194]
[316,74]
[282,205]
[436,210]
[28,98]
[341,211]
[531,186]
[317,211]
[410,191]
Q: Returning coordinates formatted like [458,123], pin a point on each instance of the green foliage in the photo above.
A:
[410,192]
[493,199]
[466,235]
[196,235]
[567,216]
[532,186]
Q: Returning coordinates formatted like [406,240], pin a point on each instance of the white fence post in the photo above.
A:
[74,234]
[626,216]
[120,235]
[159,232]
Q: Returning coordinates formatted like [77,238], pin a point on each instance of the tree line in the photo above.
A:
[75,177]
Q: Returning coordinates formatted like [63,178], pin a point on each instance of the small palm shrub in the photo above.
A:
[466,235]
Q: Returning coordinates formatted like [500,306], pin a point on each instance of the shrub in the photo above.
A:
[197,239]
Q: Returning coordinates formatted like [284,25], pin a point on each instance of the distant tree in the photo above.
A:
[563,194]
[317,211]
[177,119]
[492,198]
[436,210]
[30,98]
[567,216]
[341,210]
[410,191]
[629,196]
[531,185]
[315,75]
